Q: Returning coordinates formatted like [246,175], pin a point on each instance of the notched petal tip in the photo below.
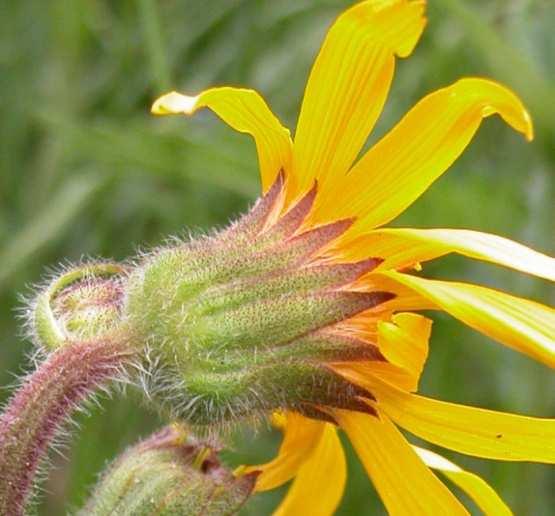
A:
[496,98]
[397,23]
[414,22]
[347,88]
[174,103]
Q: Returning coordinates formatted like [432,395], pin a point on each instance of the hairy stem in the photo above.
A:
[39,409]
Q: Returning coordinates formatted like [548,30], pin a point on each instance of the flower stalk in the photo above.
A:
[41,407]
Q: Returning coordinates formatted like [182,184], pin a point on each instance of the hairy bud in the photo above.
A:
[171,473]
[244,321]
[84,303]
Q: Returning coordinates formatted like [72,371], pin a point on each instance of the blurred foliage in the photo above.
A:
[86,171]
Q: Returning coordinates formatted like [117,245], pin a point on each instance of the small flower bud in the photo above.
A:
[171,473]
[82,304]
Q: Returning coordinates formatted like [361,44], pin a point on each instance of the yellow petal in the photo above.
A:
[320,481]
[404,342]
[406,299]
[245,111]
[474,431]
[521,324]
[402,247]
[300,438]
[348,85]
[475,487]
[390,373]
[402,480]
[403,164]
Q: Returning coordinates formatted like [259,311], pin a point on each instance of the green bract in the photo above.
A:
[241,322]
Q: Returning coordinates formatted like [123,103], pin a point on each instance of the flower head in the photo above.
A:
[339,297]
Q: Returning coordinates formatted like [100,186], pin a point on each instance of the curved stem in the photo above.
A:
[45,401]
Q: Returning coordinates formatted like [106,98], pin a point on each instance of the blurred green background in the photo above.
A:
[86,171]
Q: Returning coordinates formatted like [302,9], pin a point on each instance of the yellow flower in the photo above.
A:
[344,96]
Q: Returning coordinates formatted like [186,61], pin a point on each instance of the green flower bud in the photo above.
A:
[242,322]
[82,304]
[171,473]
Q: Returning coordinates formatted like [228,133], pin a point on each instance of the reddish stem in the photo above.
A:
[39,409]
